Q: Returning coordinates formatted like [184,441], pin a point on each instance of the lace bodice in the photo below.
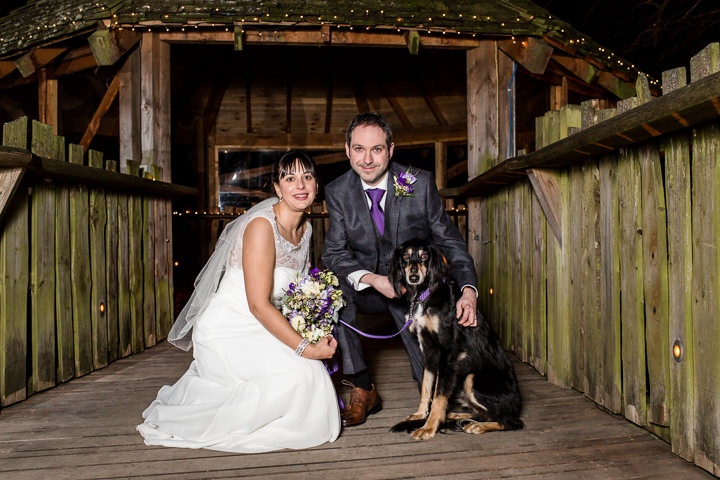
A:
[286,253]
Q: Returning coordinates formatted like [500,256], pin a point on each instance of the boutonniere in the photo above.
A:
[403,184]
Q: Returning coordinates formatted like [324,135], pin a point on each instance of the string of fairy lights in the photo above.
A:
[469,24]
[462,209]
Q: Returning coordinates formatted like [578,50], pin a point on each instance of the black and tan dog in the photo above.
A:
[466,370]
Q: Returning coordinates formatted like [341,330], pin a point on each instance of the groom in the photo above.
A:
[369,217]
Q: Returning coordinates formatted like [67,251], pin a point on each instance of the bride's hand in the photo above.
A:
[323,349]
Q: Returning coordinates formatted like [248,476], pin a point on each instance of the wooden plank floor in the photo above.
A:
[85,429]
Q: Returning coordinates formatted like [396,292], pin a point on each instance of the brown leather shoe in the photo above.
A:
[362,403]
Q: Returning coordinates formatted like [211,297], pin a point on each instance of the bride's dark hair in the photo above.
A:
[287,163]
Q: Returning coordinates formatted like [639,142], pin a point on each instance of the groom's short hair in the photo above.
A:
[370,118]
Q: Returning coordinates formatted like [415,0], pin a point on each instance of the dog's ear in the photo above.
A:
[397,271]
[439,269]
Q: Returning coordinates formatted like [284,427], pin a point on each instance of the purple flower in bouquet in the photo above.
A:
[311,304]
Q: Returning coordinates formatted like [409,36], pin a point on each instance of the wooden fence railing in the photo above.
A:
[85,260]
[604,272]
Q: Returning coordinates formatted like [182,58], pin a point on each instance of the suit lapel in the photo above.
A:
[358,199]
[393,204]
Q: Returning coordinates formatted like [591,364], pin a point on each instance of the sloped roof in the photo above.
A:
[41,21]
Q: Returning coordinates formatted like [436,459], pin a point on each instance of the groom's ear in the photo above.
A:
[347,150]
[390,152]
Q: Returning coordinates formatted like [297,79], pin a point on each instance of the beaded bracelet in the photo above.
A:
[301,347]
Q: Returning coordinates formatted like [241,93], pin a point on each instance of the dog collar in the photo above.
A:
[423,296]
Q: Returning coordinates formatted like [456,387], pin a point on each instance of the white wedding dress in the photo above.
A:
[246,391]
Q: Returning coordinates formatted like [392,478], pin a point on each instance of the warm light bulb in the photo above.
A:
[491,291]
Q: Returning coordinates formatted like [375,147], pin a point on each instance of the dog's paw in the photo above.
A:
[417,416]
[424,433]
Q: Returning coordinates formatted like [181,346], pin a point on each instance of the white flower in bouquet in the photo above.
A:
[312,303]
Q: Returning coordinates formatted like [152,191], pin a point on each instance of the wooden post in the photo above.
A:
[164,315]
[48,101]
[14,283]
[80,271]
[559,94]
[129,110]
[98,292]
[488,77]
[155,103]
[680,274]
[42,270]
[440,165]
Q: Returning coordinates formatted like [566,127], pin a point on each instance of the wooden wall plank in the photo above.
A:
[148,271]
[135,265]
[706,293]
[163,268]
[609,388]
[631,285]
[42,270]
[129,110]
[124,300]
[655,282]
[680,274]
[111,269]
[63,272]
[538,238]
[575,250]
[98,292]
[80,271]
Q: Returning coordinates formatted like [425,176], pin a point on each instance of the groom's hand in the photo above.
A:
[466,308]
[381,283]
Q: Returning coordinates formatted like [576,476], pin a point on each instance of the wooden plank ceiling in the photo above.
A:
[277,97]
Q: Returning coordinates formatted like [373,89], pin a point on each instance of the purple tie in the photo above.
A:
[376,212]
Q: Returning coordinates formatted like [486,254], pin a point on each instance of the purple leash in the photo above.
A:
[332,366]
[421,298]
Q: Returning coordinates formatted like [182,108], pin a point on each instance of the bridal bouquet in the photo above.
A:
[312,303]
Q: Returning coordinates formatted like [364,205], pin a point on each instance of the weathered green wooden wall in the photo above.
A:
[84,272]
[637,271]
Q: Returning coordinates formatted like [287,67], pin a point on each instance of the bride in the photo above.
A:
[254,385]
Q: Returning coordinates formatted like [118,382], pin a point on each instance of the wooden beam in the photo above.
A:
[399,111]
[457,169]
[214,102]
[75,64]
[436,110]
[108,46]
[361,100]
[15,133]
[615,85]
[545,186]
[75,173]
[36,59]
[530,52]
[104,106]
[316,37]
[336,141]
[577,66]
[6,67]
[695,104]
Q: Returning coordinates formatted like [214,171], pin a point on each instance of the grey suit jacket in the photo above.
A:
[351,243]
